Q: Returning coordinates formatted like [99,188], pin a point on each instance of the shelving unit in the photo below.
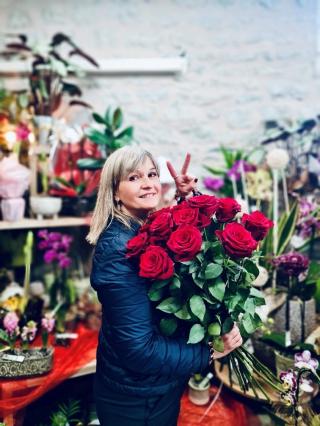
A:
[45,223]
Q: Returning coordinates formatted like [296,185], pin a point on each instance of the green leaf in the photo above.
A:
[160,283]
[98,137]
[98,118]
[217,290]
[197,307]
[196,334]
[168,326]
[256,293]
[250,323]
[117,119]
[232,302]
[126,133]
[193,267]
[170,305]
[227,326]
[249,306]
[197,280]
[155,294]
[218,344]
[288,228]
[4,336]
[183,313]
[213,270]
[218,172]
[251,267]
[90,163]
[176,283]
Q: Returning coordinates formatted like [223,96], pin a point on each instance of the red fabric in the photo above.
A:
[225,412]
[16,394]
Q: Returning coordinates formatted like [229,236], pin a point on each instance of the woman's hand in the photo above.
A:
[185,183]
[231,340]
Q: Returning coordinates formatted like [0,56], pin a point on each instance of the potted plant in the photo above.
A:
[50,68]
[56,248]
[109,138]
[19,360]
[199,389]
[299,276]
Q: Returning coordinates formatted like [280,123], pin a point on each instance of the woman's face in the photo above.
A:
[140,191]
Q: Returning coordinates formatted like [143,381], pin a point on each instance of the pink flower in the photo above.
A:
[64,262]
[50,256]
[48,323]
[22,132]
[10,322]
[304,360]
[235,170]
[213,184]
[43,233]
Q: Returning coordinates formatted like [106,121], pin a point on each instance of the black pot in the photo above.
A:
[77,206]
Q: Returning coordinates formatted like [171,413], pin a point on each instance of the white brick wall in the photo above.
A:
[249,60]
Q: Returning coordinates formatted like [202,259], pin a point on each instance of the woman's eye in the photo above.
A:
[133,178]
[153,174]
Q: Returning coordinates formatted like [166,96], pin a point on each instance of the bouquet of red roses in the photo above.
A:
[202,259]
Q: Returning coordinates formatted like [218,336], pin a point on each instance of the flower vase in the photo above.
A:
[300,323]
[45,206]
[12,209]
[23,363]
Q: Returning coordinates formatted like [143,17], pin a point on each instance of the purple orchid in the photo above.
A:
[289,380]
[304,360]
[213,184]
[235,170]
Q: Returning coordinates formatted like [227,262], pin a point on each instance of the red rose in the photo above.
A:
[155,214]
[236,240]
[156,264]
[203,221]
[137,244]
[161,226]
[185,242]
[185,216]
[206,203]
[227,209]
[257,224]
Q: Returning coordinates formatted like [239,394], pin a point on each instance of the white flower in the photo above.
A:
[304,360]
[277,159]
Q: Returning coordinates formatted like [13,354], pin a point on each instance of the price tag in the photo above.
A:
[66,335]
[17,358]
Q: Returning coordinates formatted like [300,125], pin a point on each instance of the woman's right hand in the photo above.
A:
[231,341]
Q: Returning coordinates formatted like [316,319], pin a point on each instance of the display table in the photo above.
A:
[68,362]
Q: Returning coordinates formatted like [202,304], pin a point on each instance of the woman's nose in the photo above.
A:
[146,181]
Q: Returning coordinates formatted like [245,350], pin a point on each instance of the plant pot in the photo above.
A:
[12,209]
[35,362]
[77,206]
[45,206]
[198,396]
[283,361]
[296,323]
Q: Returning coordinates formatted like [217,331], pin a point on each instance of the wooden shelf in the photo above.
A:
[45,223]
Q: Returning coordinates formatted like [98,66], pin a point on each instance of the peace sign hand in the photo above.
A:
[185,183]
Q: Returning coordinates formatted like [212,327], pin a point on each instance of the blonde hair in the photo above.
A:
[117,167]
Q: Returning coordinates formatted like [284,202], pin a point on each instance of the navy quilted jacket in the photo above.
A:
[133,357]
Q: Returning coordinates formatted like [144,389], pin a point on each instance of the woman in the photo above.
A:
[141,374]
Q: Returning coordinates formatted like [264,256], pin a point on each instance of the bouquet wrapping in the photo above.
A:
[201,257]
